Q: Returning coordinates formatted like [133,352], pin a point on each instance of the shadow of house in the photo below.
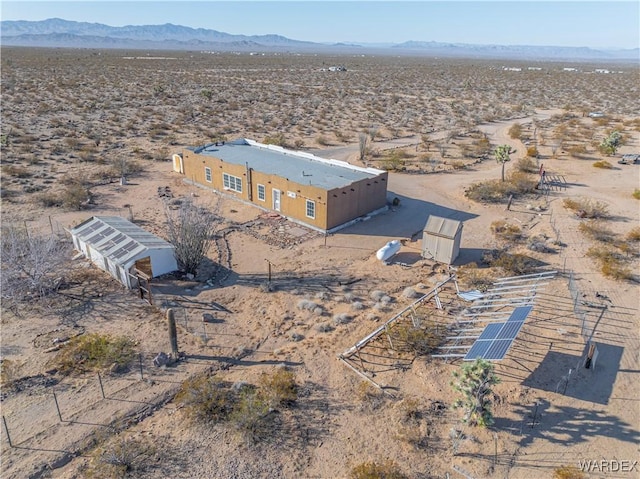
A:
[592,385]
[406,220]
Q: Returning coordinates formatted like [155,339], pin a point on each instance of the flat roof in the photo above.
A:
[296,166]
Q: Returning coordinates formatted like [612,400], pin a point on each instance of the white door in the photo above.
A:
[276,199]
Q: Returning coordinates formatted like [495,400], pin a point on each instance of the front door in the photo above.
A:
[276,199]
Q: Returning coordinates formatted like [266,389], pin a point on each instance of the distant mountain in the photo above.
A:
[519,51]
[56,32]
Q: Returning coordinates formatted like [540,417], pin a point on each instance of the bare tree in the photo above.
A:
[32,264]
[191,229]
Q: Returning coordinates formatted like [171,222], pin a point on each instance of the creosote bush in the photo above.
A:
[496,191]
[568,472]
[527,165]
[604,164]
[586,208]
[612,264]
[122,456]
[506,231]
[511,263]
[94,352]
[377,470]
[633,235]
[596,230]
[419,341]
[247,408]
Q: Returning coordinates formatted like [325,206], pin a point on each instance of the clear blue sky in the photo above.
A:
[602,24]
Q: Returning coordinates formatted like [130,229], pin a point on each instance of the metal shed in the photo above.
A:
[114,244]
[441,239]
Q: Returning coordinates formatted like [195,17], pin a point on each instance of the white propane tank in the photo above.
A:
[388,250]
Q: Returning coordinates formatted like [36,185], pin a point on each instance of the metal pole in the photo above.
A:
[101,387]
[6,428]
[55,398]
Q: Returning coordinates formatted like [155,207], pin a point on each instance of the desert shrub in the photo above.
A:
[473,277]
[515,264]
[322,141]
[8,372]
[636,194]
[586,208]
[306,305]
[532,152]
[611,263]
[496,191]
[458,165]
[278,388]
[357,306]
[341,318]
[16,171]
[277,139]
[324,328]
[377,295]
[48,199]
[568,472]
[206,399]
[633,234]
[75,197]
[527,165]
[410,293]
[603,164]
[515,131]
[419,341]
[369,396]
[375,470]
[251,416]
[122,456]
[594,229]
[95,352]
[506,232]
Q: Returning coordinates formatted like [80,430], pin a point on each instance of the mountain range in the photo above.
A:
[59,33]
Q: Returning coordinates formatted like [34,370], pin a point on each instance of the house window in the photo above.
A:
[207,174]
[231,182]
[262,195]
[311,209]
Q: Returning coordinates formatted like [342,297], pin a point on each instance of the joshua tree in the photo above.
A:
[610,144]
[501,154]
[474,381]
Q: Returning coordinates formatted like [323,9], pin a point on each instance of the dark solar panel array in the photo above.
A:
[496,339]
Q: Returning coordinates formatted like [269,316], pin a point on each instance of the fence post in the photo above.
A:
[55,398]
[6,428]
[140,363]
[101,387]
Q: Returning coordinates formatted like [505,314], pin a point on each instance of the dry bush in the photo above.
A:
[9,372]
[527,165]
[475,278]
[94,352]
[16,171]
[636,194]
[568,472]
[75,197]
[532,152]
[596,230]
[586,208]
[611,263]
[515,132]
[278,388]
[506,232]
[419,341]
[122,456]
[377,470]
[604,164]
[512,264]
[633,235]
[496,191]
[206,399]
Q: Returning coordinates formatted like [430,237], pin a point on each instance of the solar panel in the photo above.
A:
[491,331]
[498,349]
[478,350]
[510,330]
[520,313]
[496,339]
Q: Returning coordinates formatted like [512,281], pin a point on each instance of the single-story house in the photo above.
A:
[114,244]
[320,193]
[441,239]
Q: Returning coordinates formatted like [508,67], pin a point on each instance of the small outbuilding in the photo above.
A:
[115,244]
[441,239]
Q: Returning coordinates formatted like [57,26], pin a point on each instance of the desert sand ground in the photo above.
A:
[542,420]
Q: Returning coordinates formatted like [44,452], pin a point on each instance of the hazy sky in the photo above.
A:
[605,24]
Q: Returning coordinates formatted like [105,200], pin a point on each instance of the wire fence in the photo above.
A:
[81,399]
